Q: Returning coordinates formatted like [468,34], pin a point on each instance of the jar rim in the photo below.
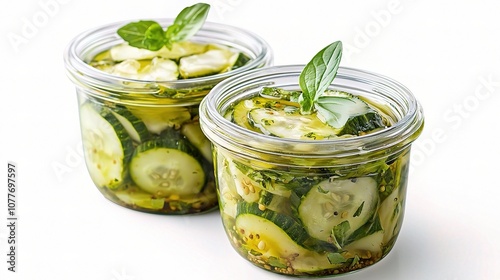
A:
[80,72]
[388,140]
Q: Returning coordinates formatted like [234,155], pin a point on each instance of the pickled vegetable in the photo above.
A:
[310,221]
[184,60]
[154,158]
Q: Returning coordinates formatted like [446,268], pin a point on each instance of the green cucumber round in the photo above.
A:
[107,145]
[336,201]
[168,166]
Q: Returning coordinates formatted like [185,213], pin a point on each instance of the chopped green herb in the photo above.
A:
[359,210]
[274,261]
[339,234]
[336,258]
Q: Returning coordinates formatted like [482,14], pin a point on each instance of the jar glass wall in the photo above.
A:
[312,207]
[142,141]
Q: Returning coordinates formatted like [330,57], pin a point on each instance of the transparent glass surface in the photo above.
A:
[142,141]
[312,207]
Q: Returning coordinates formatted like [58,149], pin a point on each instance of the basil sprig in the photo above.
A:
[315,78]
[148,34]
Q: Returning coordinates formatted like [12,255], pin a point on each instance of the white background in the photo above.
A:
[446,52]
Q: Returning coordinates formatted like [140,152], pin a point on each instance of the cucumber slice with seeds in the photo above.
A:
[247,188]
[272,201]
[333,202]
[107,145]
[277,238]
[283,124]
[167,166]
[274,114]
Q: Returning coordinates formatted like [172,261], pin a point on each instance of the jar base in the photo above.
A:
[167,206]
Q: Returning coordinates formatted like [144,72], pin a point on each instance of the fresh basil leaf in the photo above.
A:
[318,74]
[147,34]
[154,38]
[143,34]
[334,110]
[187,23]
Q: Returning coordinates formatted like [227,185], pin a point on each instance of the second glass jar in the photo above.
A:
[143,145]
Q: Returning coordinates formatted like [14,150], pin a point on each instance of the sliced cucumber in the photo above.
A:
[179,49]
[134,126]
[274,202]
[276,113]
[271,181]
[292,125]
[228,196]
[140,199]
[278,237]
[240,114]
[210,62]
[362,123]
[107,145]
[128,69]
[391,211]
[355,114]
[247,188]
[367,246]
[157,119]
[167,167]
[160,69]
[333,202]
[195,135]
[281,233]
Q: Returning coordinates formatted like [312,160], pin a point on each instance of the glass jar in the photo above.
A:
[142,142]
[312,207]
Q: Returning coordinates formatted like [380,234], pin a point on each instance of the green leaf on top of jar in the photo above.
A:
[148,34]
[144,34]
[344,113]
[314,112]
[151,53]
[187,23]
[318,74]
